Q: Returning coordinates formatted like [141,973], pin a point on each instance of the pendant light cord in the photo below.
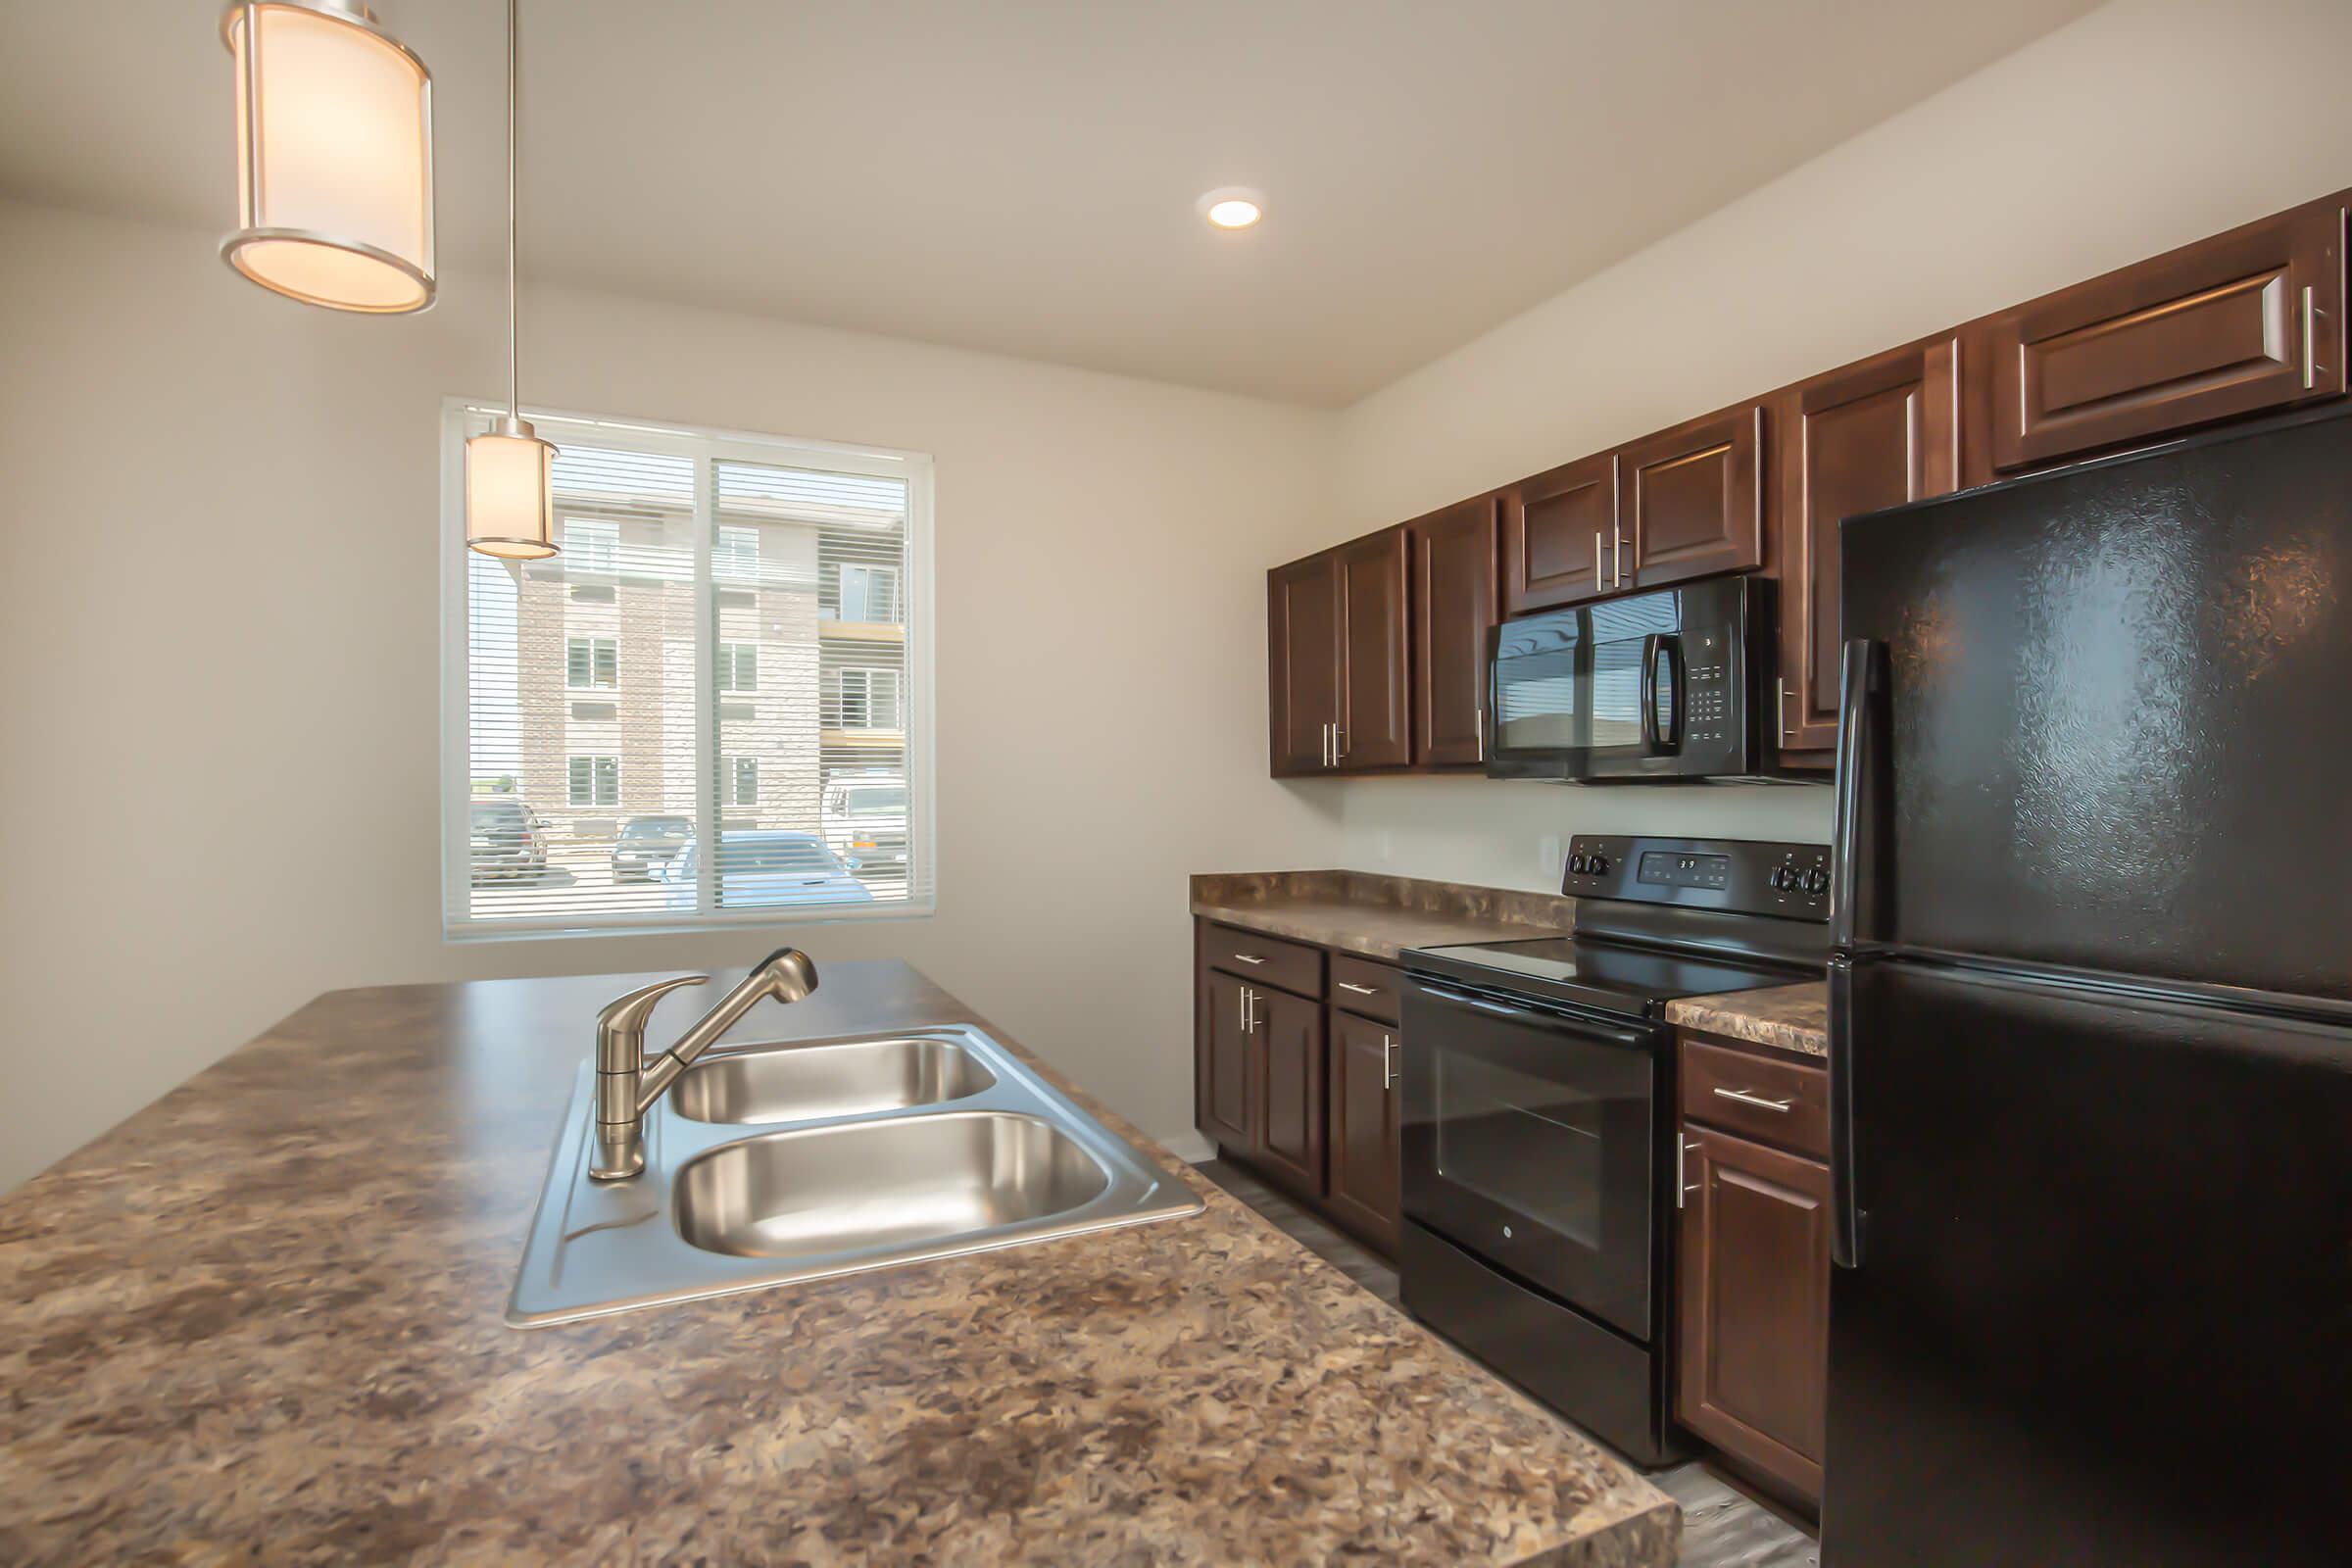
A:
[513,374]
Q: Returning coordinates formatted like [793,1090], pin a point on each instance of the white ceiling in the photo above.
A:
[1018,175]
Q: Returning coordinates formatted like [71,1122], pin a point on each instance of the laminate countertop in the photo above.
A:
[1372,916]
[1791,1017]
[263,1319]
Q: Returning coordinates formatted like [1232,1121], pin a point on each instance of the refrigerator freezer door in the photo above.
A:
[2116,716]
[2103,1313]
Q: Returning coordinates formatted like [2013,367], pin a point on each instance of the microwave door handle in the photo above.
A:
[1649,691]
[1854,847]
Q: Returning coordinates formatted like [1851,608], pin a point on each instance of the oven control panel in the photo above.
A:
[1746,877]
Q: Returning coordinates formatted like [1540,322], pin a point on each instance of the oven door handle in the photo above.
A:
[1537,1016]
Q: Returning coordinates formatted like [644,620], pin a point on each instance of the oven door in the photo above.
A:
[1528,1141]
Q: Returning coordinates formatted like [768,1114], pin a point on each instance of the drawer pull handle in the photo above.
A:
[1362,991]
[1248,958]
[1749,1097]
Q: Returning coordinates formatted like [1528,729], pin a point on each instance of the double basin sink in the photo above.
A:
[773,1163]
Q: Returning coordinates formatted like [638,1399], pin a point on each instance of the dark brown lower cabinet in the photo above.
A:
[1364,1179]
[1289,1040]
[1224,1097]
[1754,1310]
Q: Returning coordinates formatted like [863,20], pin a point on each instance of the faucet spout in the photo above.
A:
[628,1085]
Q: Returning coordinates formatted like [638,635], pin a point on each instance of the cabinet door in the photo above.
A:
[1454,610]
[1302,662]
[1695,499]
[1754,1310]
[1557,531]
[1376,675]
[2249,320]
[1364,1177]
[1874,434]
[1288,1044]
[1224,1100]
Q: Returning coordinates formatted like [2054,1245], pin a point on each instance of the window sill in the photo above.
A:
[636,925]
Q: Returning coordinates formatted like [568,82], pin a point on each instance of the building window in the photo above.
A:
[591,546]
[595,780]
[867,698]
[727,563]
[590,662]
[870,592]
[738,666]
[735,553]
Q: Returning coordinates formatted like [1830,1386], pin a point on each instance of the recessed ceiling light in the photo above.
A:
[1233,207]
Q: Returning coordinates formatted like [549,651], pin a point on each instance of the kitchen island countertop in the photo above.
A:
[262,1317]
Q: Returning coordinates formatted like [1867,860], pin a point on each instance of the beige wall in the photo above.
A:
[220,620]
[2146,124]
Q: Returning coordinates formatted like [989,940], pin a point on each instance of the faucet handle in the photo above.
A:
[621,1027]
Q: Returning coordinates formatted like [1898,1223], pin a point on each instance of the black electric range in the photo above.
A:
[1539,1144]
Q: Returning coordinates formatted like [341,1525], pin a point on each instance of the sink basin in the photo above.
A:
[882,1184]
[814,1083]
[775,1164]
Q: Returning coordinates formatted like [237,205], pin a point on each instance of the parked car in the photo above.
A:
[510,839]
[648,843]
[766,867]
[864,821]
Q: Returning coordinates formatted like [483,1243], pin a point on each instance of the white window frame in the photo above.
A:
[733,562]
[866,674]
[571,760]
[733,654]
[730,779]
[874,571]
[917,598]
[593,684]
[603,561]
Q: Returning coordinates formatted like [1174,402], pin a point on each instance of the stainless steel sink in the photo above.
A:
[896,1183]
[773,1163]
[807,1083]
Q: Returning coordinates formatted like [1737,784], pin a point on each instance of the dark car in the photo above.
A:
[648,843]
[508,838]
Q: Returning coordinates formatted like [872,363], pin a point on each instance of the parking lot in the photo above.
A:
[578,879]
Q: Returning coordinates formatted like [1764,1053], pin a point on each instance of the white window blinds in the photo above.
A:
[731,650]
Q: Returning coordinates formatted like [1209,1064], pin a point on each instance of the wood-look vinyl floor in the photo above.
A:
[1722,1527]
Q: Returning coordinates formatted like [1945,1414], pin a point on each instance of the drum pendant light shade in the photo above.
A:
[334,157]
[510,480]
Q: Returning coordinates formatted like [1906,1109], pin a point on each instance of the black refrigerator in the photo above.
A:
[2091,1033]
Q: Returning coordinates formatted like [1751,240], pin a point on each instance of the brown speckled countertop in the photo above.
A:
[1791,1017]
[1377,916]
[261,1319]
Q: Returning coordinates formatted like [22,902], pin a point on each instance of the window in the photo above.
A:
[866,697]
[727,563]
[590,662]
[735,553]
[738,666]
[870,592]
[595,780]
[591,546]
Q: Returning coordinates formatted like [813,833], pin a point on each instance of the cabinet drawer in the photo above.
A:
[1267,961]
[1773,1101]
[1361,985]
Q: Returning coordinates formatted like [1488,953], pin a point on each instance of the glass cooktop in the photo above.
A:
[1611,976]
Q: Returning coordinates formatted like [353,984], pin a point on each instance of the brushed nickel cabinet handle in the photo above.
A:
[1338,744]
[1598,584]
[1242,1014]
[2311,371]
[1616,555]
[1387,1062]
[1256,1017]
[1681,1188]
[1248,958]
[1362,991]
[1782,713]
[1749,1097]
[1481,711]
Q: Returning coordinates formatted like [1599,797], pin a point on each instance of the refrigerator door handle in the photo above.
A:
[1853,844]
[1845,1215]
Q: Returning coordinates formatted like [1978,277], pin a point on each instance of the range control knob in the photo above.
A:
[1817,881]
[1599,864]
[1575,863]
[1779,879]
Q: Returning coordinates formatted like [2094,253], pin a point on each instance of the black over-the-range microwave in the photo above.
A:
[1663,685]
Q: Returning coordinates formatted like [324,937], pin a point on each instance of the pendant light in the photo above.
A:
[510,472]
[334,157]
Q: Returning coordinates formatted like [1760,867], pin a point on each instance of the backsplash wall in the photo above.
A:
[1513,833]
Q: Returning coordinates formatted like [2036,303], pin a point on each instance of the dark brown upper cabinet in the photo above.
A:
[1303,661]
[1376,716]
[1453,609]
[1874,434]
[1562,537]
[2250,320]
[1695,499]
